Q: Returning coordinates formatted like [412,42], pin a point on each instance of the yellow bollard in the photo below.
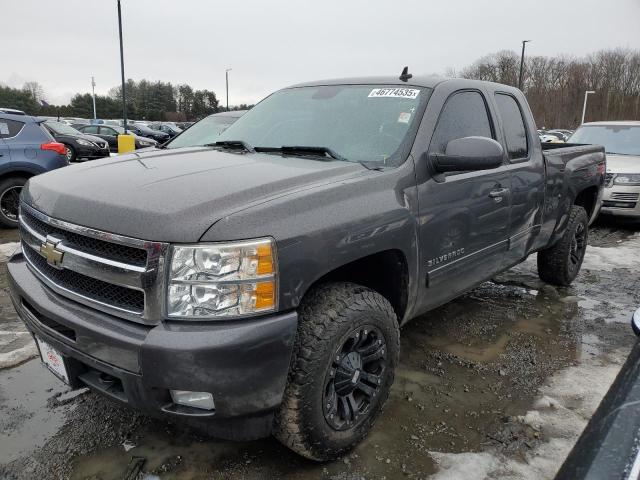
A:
[126,143]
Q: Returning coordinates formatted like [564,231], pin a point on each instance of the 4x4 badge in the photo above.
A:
[49,251]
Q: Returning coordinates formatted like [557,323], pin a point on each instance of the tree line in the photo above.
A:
[146,100]
[555,86]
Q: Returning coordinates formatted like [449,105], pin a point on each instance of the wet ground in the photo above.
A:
[496,384]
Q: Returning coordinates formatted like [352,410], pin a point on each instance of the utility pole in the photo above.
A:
[124,93]
[584,107]
[524,42]
[93,94]
[226,77]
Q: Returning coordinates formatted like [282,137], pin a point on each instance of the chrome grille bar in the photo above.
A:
[80,257]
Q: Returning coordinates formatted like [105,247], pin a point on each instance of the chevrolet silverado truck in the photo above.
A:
[254,283]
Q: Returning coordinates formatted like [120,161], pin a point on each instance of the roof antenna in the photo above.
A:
[405,75]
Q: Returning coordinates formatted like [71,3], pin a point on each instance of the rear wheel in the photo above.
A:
[341,371]
[10,189]
[561,263]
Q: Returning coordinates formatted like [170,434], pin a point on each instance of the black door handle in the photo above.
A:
[498,193]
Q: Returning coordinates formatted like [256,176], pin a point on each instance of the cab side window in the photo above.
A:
[463,115]
[514,129]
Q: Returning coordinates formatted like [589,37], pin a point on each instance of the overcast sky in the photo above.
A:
[271,44]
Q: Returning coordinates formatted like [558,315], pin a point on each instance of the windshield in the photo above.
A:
[62,128]
[360,123]
[617,139]
[203,132]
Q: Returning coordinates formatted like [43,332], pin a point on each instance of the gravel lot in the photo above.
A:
[496,384]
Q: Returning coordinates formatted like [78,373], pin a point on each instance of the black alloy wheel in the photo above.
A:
[354,378]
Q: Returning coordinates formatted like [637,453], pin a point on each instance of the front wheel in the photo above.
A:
[341,372]
[561,263]
[70,153]
[10,189]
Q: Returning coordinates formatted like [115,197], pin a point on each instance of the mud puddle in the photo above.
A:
[470,392]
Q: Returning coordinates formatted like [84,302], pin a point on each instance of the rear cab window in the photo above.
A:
[515,131]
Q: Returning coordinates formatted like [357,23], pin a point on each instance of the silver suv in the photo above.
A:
[621,140]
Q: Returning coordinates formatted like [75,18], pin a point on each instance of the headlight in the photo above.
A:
[222,280]
[627,179]
[145,144]
[86,143]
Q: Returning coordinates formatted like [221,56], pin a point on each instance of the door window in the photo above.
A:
[90,129]
[463,115]
[107,131]
[514,128]
[10,128]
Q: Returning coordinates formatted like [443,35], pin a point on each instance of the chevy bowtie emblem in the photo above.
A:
[49,251]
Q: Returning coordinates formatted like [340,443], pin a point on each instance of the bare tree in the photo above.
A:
[34,89]
[555,86]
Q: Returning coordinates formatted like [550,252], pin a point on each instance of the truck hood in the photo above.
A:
[623,163]
[174,195]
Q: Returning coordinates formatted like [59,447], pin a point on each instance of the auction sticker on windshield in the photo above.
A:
[395,92]
[53,360]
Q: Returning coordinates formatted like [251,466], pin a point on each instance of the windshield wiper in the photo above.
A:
[303,150]
[232,145]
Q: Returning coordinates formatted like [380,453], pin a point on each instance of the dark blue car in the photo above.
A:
[26,149]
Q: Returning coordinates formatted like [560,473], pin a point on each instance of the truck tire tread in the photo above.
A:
[553,261]
[322,312]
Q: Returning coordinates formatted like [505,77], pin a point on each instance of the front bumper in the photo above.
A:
[244,364]
[91,153]
[621,201]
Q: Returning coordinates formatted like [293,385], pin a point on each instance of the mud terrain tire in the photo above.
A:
[561,263]
[342,327]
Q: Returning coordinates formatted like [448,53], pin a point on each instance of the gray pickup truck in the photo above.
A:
[254,283]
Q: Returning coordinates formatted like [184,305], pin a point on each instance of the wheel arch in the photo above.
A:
[386,272]
[587,198]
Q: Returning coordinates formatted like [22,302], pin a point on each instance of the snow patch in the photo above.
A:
[8,249]
[561,412]
[622,255]
[15,357]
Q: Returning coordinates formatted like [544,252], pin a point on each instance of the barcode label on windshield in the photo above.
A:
[395,92]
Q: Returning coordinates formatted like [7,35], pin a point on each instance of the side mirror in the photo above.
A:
[468,154]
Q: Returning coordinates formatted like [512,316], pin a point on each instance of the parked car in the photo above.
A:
[11,111]
[144,131]
[26,149]
[110,134]
[550,137]
[257,285]
[80,146]
[184,125]
[559,134]
[170,129]
[621,140]
[608,446]
[205,131]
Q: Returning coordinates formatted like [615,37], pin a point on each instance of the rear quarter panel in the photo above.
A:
[569,170]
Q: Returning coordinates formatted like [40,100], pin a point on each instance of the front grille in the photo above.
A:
[94,246]
[91,288]
[608,179]
[625,197]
